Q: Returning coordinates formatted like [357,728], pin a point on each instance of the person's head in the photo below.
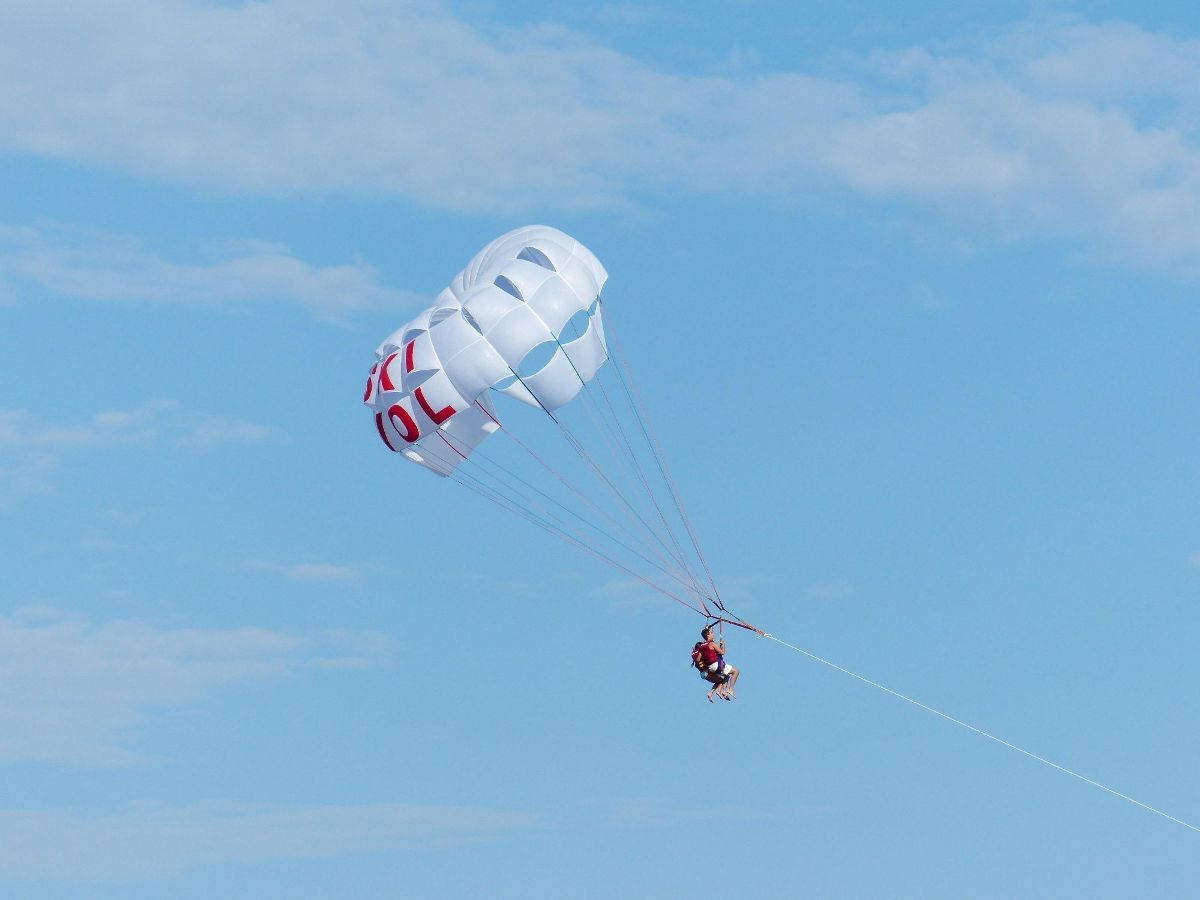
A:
[706,632]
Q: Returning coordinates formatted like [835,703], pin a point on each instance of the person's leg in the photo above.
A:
[733,677]
[723,690]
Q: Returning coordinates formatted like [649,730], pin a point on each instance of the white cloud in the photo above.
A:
[210,431]
[71,690]
[1055,128]
[155,841]
[24,474]
[88,265]
[307,571]
[19,429]
[31,449]
[1023,154]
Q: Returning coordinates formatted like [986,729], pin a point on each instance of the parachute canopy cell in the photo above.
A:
[523,318]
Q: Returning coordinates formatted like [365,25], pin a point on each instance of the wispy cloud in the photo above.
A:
[306,571]
[210,431]
[71,689]
[32,448]
[268,98]
[1034,134]
[26,474]
[21,430]
[97,266]
[1054,128]
[150,421]
[156,841]
[1194,560]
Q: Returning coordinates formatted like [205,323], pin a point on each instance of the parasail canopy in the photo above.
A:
[523,318]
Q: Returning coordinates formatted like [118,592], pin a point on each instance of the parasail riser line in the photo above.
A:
[550,520]
[583,454]
[665,565]
[660,458]
[674,576]
[506,503]
[546,519]
[646,486]
[739,624]
[556,527]
[680,557]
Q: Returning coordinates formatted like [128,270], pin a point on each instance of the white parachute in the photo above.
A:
[523,318]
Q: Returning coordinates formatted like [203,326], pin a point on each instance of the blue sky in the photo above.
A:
[911,295]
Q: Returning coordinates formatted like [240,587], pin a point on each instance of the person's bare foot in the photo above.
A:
[710,693]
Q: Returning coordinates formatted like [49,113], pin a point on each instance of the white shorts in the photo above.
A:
[726,670]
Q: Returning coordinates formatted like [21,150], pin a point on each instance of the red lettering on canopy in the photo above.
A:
[410,432]
[383,431]
[370,382]
[440,415]
[408,356]
[384,379]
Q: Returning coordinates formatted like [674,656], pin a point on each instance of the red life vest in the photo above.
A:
[704,654]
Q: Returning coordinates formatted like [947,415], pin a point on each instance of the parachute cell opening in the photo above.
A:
[505,284]
[537,257]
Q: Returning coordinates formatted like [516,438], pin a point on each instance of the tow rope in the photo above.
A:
[978,731]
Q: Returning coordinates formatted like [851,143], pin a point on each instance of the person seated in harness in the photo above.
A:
[708,656]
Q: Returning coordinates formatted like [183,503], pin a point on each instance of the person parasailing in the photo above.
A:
[708,656]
